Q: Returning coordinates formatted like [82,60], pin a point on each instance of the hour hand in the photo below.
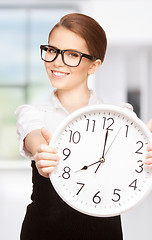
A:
[86,167]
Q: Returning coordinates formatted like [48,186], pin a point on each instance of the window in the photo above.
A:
[22,74]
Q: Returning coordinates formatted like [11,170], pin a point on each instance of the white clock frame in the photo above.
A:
[80,140]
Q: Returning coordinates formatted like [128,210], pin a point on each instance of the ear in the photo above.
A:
[94,66]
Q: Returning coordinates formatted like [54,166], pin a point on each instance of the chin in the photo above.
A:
[59,84]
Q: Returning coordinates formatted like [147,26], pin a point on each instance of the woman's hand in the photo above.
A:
[148,161]
[149,125]
[46,157]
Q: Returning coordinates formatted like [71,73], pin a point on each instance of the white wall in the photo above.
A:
[128,28]
[125,21]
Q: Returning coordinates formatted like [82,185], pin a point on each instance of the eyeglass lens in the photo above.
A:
[69,57]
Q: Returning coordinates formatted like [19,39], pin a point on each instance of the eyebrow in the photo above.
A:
[73,49]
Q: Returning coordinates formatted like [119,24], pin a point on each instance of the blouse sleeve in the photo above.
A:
[28,118]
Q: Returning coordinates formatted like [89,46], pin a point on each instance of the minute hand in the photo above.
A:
[103,153]
[106,137]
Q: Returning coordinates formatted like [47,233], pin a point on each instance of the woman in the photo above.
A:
[76,48]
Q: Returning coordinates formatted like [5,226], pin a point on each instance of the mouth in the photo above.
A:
[58,74]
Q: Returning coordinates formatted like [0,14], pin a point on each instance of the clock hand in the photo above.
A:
[102,159]
[106,137]
[112,141]
[86,167]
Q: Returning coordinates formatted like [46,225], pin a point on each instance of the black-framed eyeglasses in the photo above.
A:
[71,58]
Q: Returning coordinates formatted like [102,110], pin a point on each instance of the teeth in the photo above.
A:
[58,73]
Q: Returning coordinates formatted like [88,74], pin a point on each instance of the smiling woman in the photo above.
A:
[68,74]
[70,81]
[48,215]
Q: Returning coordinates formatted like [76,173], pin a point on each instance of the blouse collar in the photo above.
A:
[57,104]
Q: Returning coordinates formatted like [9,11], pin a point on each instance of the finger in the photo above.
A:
[148,162]
[148,155]
[45,172]
[46,156]
[46,175]
[45,163]
[149,125]
[46,134]
[46,148]
[149,147]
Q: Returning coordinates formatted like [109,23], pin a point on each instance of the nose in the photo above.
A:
[58,61]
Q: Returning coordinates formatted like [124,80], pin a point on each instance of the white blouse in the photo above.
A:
[48,115]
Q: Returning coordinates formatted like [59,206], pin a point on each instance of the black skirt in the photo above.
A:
[49,217]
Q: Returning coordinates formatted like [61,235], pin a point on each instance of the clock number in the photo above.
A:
[140,166]
[82,185]
[66,153]
[66,173]
[110,123]
[141,146]
[127,127]
[88,123]
[117,195]
[96,199]
[74,137]
[134,184]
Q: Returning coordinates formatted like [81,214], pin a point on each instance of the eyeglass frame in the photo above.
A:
[59,51]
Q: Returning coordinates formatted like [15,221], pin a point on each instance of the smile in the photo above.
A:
[59,74]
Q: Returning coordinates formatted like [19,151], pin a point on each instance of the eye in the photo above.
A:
[51,50]
[72,54]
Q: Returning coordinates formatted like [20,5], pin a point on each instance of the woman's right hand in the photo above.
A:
[46,157]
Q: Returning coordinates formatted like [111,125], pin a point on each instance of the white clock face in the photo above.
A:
[101,170]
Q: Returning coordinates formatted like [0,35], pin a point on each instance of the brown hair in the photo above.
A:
[88,29]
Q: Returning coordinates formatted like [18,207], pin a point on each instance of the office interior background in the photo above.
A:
[125,76]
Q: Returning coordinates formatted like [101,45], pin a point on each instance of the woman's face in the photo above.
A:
[62,76]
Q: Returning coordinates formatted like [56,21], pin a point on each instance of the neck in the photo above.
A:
[73,100]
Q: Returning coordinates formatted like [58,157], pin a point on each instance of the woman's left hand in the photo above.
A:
[148,161]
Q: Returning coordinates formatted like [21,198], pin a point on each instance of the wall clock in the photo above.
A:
[102,149]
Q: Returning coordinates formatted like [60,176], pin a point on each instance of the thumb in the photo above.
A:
[46,134]
[149,125]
